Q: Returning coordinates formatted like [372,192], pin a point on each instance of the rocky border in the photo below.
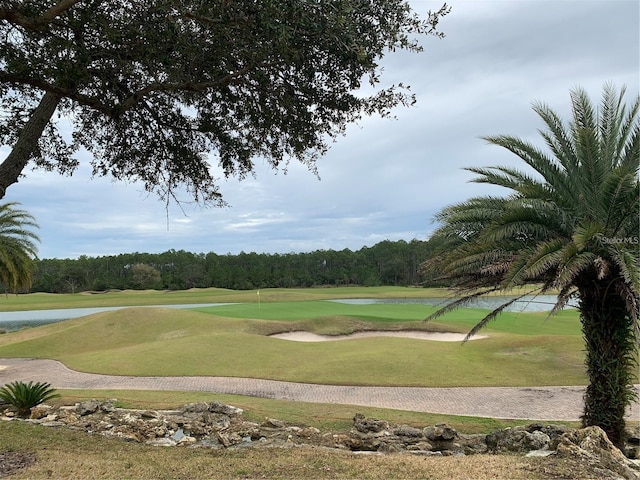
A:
[220,426]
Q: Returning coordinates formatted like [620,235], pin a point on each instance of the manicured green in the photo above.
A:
[530,323]
[522,349]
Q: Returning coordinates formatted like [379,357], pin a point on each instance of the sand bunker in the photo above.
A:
[434,336]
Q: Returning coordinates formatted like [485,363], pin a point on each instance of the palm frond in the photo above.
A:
[573,265]
[587,233]
[546,257]
[518,273]
[620,193]
[536,159]
[629,266]
[17,247]
[628,150]
[562,300]
[492,316]
[512,179]
[611,116]
[558,139]
[556,225]
[461,302]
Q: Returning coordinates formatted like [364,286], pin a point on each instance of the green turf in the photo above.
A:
[523,349]
[565,323]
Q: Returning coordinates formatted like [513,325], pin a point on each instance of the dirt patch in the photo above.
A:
[11,462]
[301,336]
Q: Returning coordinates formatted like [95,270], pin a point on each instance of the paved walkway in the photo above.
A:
[537,403]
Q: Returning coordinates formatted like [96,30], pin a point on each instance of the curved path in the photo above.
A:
[536,403]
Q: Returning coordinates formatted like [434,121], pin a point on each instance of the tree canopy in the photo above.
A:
[160,91]
[386,263]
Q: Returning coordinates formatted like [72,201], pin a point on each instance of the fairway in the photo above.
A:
[522,349]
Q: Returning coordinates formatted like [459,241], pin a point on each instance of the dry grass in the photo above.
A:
[65,454]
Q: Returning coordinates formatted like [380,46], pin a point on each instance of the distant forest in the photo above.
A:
[386,263]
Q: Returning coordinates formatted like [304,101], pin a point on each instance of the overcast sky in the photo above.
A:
[385,179]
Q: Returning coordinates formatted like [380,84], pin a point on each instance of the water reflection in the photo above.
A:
[11,321]
[540,303]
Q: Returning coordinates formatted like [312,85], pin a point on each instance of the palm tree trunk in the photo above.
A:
[611,358]
[26,144]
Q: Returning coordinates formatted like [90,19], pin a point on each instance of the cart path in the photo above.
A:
[533,403]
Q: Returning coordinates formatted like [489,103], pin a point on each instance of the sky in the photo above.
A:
[386,178]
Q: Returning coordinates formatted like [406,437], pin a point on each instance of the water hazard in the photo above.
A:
[539,303]
[11,321]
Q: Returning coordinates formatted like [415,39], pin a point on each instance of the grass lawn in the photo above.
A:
[67,454]
[523,349]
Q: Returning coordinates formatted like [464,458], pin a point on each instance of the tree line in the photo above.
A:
[386,263]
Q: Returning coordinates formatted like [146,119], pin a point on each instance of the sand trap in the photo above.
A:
[434,336]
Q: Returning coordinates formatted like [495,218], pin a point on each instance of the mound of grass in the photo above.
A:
[165,342]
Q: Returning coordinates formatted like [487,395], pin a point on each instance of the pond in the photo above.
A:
[11,321]
[539,303]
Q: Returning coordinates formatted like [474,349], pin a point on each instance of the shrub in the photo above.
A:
[25,396]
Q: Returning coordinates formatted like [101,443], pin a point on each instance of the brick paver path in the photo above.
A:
[536,403]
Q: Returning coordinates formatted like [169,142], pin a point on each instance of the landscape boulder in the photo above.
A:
[632,442]
[592,446]
[443,438]
[517,439]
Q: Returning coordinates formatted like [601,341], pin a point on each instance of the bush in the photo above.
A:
[25,396]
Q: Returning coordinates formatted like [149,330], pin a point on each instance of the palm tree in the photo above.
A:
[17,247]
[570,225]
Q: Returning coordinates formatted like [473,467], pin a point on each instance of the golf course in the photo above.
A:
[235,338]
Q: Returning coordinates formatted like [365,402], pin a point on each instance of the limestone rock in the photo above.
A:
[632,442]
[231,411]
[92,406]
[517,439]
[213,425]
[440,432]
[592,445]
[369,425]
[88,407]
[407,431]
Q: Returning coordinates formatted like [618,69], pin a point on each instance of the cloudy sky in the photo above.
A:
[386,178]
